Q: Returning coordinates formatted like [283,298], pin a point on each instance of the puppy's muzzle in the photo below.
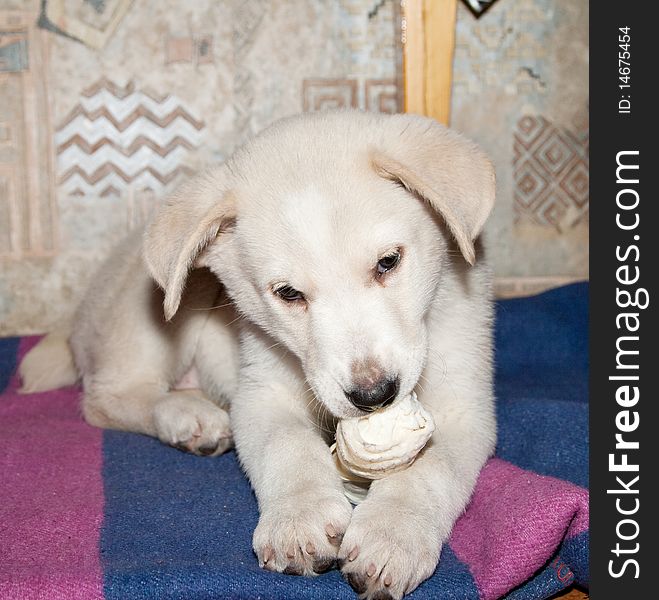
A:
[381,393]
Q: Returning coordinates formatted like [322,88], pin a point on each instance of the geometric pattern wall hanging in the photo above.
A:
[381,95]
[327,94]
[378,95]
[118,138]
[188,49]
[90,21]
[28,210]
[551,174]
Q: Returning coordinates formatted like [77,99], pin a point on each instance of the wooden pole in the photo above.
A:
[428,35]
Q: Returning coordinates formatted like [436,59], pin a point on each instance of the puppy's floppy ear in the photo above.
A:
[451,173]
[182,228]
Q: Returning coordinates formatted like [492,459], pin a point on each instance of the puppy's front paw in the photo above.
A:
[388,551]
[190,422]
[301,535]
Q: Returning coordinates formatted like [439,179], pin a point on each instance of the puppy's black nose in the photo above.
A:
[381,393]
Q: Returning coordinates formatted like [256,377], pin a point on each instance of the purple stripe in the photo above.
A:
[51,497]
[515,523]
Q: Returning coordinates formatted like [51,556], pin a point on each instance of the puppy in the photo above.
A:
[330,267]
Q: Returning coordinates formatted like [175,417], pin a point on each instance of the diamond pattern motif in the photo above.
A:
[551,174]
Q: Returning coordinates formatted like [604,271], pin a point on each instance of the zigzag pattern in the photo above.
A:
[94,132]
[136,145]
[105,170]
[117,137]
[106,155]
[111,181]
[138,112]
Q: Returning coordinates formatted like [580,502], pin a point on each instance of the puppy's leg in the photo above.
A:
[185,419]
[304,513]
[395,536]
[130,358]
[217,353]
[303,510]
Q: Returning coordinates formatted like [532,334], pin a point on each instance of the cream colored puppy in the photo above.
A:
[345,244]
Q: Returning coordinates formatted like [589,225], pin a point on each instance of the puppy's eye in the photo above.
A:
[388,262]
[288,293]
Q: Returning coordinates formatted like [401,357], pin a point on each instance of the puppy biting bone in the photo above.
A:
[379,444]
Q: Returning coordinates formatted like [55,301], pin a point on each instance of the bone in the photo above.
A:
[385,441]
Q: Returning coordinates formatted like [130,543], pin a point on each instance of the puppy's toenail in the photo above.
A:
[357,582]
[354,553]
[334,536]
[371,570]
[290,553]
[310,548]
[387,580]
[268,560]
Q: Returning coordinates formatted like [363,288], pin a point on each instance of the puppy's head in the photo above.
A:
[330,232]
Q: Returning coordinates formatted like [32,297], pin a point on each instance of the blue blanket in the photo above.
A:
[97,514]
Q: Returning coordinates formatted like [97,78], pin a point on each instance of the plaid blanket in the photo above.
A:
[86,513]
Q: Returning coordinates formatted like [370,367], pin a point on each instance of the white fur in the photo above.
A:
[313,202]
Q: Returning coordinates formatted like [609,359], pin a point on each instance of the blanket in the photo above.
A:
[90,514]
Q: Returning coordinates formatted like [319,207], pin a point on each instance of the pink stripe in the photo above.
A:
[51,497]
[514,524]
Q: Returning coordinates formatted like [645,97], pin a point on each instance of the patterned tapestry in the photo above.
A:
[520,88]
[105,106]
